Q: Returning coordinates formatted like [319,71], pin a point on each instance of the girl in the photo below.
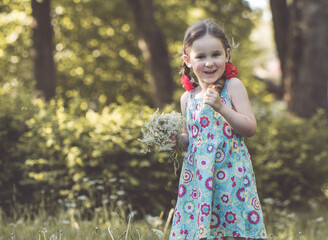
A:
[217,197]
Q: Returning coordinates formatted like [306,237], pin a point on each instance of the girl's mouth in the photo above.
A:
[210,72]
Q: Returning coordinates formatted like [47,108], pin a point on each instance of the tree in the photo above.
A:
[152,44]
[44,67]
[301,37]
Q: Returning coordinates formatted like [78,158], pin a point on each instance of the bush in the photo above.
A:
[68,145]
[290,157]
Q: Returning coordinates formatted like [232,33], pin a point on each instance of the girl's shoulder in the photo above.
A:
[184,98]
[234,83]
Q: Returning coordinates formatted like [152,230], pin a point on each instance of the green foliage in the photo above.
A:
[15,42]
[15,110]
[96,44]
[290,157]
[57,147]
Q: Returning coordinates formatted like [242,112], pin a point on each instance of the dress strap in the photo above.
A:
[191,93]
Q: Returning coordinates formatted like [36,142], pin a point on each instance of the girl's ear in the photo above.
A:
[186,60]
[228,55]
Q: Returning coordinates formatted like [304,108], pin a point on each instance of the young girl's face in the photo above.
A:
[207,58]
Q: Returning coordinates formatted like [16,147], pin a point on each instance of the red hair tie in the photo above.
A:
[230,70]
[187,83]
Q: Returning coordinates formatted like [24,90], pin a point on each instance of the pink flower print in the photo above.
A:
[197,172]
[230,217]
[227,131]
[234,145]
[210,148]
[246,181]
[233,184]
[224,224]
[195,194]
[200,177]
[193,117]
[223,100]
[241,194]
[192,217]
[210,136]
[235,234]
[218,207]
[178,216]
[209,184]
[256,203]
[181,231]
[189,207]
[194,131]
[225,198]
[217,123]
[199,141]
[204,122]
[190,159]
[221,175]
[201,231]
[198,106]
[187,176]
[186,232]
[203,163]
[182,190]
[253,217]
[205,209]
[219,155]
[229,165]
[215,220]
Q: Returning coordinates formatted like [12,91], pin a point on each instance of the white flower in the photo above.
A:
[159,130]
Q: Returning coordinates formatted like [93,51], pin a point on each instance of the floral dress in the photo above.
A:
[217,194]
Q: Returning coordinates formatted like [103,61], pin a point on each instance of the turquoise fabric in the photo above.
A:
[217,194]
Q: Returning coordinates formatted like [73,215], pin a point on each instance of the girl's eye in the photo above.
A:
[200,57]
[216,54]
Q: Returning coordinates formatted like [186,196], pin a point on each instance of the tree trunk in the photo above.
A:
[44,67]
[153,46]
[280,17]
[306,60]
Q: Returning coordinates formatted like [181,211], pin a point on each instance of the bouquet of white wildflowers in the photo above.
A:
[158,132]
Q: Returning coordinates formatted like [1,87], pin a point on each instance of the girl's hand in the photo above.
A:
[180,140]
[213,99]
[174,139]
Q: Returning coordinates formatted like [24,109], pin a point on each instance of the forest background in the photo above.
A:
[80,78]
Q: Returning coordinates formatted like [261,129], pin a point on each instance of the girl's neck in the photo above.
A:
[201,90]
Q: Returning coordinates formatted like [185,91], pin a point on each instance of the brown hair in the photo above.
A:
[197,31]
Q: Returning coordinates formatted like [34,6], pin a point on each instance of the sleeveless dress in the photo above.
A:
[217,194]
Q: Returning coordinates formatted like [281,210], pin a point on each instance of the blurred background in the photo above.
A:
[80,78]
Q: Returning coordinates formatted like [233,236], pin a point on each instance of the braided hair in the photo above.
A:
[197,31]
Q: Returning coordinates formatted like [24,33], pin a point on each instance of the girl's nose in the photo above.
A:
[208,63]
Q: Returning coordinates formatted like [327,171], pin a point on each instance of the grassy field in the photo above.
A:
[68,224]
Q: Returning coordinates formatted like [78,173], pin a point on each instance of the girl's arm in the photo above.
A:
[241,118]
[182,139]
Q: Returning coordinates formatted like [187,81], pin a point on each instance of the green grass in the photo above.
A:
[68,224]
